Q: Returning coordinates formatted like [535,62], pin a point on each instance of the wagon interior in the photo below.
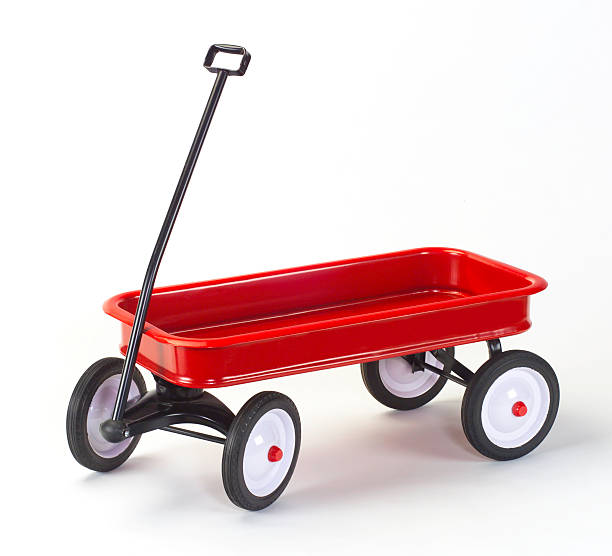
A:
[283,300]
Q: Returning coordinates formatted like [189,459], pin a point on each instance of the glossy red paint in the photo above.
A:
[275,454]
[237,330]
[519,409]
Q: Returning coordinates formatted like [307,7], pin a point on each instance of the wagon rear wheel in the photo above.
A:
[261,450]
[396,383]
[92,403]
[510,405]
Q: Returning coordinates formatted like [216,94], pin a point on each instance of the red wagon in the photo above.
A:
[237,330]
[400,315]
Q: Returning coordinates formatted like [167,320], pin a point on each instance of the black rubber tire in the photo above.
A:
[76,418]
[235,444]
[471,407]
[371,378]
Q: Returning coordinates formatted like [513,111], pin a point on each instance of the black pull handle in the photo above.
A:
[173,210]
[227,49]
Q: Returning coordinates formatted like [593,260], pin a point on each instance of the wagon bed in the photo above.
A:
[236,330]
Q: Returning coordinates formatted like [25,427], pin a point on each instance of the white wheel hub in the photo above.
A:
[515,407]
[101,409]
[397,376]
[269,452]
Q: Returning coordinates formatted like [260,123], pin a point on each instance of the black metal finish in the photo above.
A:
[155,411]
[494,347]
[166,230]
[160,247]
[193,434]
[113,431]
[167,390]
[416,361]
[445,374]
[227,49]
[452,365]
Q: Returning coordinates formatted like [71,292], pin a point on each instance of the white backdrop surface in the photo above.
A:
[360,127]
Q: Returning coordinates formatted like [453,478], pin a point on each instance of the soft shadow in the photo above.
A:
[136,464]
[434,431]
[417,448]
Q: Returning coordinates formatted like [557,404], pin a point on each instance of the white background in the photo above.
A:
[360,127]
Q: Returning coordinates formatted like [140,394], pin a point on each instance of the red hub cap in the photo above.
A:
[275,454]
[519,409]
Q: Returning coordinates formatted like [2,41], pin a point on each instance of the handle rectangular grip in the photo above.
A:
[227,49]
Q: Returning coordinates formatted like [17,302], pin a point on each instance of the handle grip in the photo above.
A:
[227,49]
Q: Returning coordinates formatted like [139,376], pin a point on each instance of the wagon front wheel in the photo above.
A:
[92,403]
[261,450]
[510,405]
[399,384]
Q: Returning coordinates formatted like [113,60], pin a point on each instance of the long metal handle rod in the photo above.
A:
[160,246]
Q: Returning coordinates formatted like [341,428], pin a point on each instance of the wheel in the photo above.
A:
[92,403]
[393,383]
[261,450]
[510,405]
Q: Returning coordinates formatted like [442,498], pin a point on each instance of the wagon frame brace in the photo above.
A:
[462,374]
[169,405]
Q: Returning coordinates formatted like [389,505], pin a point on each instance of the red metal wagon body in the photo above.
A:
[236,330]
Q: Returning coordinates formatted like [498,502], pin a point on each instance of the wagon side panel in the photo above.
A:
[286,355]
